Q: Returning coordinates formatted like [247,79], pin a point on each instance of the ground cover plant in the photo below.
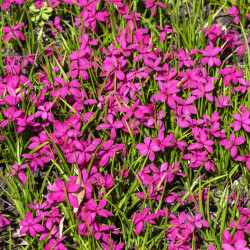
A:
[125,124]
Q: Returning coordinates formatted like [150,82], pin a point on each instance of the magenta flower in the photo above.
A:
[244,86]
[56,244]
[152,5]
[7,3]
[39,208]
[148,147]
[113,125]
[59,193]
[202,141]
[244,158]
[35,161]
[31,225]
[241,121]
[139,219]
[21,175]
[233,143]
[213,32]
[98,209]
[164,32]
[45,111]
[239,245]
[230,75]
[222,103]
[234,12]
[110,244]
[13,32]
[113,65]
[3,221]
[204,91]
[108,151]
[184,59]
[197,221]
[210,52]
[55,25]
[68,87]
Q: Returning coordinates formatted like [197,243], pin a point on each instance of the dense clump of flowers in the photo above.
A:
[134,132]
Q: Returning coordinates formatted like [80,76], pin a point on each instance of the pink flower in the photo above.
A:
[98,209]
[148,147]
[31,225]
[222,103]
[241,120]
[152,4]
[21,175]
[230,75]
[202,141]
[3,221]
[59,193]
[213,32]
[7,3]
[139,219]
[244,158]
[234,12]
[239,245]
[233,143]
[197,221]
[56,244]
[55,25]
[164,31]
[244,86]
[13,32]
[210,52]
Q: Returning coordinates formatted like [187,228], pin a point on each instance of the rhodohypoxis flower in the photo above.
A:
[98,209]
[152,4]
[239,245]
[139,219]
[184,59]
[110,244]
[59,192]
[35,161]
[3,221]
[204,91]
[7,3]
[113,65]
[230,75]
[31,225]
[210,52]
[213,32]
[56,244]
[148,147]
[241,120]
[234,12]
[167,94]
[202,141]
[244,158]
[21,175]
[222,103]
[39,208]
[112,124]
[68,87]
[241,224]
[45,111]
[108,151]
[197,221]
[233,143]
[55,25]
[164,31]
[245,86]
[13,32]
